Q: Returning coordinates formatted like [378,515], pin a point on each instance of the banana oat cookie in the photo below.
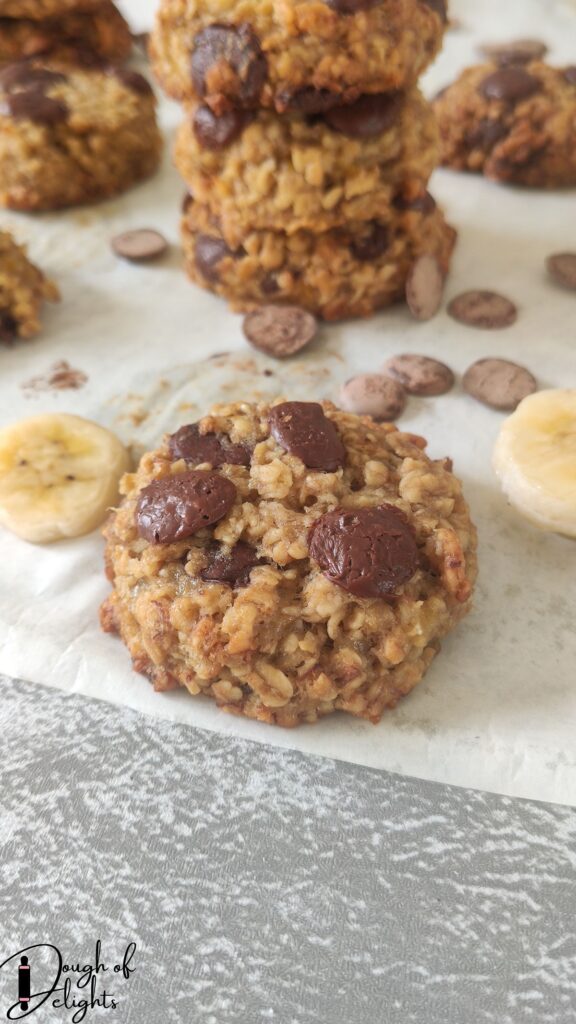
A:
[266,172]
[302,55]
[23,289]
[345,272]
[514,124]
[73,36]
[289,560]
[71,136]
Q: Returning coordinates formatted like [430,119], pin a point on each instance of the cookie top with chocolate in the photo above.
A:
[513,120]
[289,560]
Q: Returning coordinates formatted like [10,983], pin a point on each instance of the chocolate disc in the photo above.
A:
[175,507]
[231,566]
[140,245]
[192,446]
[302,429]
[280,331]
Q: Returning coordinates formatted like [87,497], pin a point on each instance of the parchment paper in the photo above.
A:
[498,708]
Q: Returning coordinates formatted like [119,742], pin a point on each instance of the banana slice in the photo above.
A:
[58,476]
[535,459]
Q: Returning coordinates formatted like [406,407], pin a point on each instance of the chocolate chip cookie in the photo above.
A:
[343,272]
[23,290]
[318,573]
[514,123]
[71,136]
[264,172]
[99,33]
[299,55]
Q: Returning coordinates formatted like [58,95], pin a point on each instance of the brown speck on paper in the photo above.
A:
[60,377]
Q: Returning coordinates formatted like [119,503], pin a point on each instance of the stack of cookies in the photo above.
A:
[71,31]
[306,148]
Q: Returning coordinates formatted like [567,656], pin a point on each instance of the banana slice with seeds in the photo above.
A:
[535,459]
[58,476]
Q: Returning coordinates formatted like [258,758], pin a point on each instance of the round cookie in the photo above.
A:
[330,567]
[40,9]
[275,173]
[301,55]
[345,272]
[73,136]
[72,37]
[23,289]
[514,124]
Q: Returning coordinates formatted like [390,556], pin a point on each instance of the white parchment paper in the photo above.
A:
[498,708]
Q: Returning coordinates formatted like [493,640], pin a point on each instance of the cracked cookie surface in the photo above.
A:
[23,290]
[70,136]
[293,54]
[514,124]
[337,557]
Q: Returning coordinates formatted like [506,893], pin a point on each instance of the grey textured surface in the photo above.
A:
[267,886]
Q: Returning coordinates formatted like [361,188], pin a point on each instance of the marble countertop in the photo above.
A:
[262,885]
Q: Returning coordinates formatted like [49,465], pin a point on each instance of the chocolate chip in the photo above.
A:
[352,6]
[369,552]
[213,132]
[269,284]
[439,7]
[486,134]
[370,115]
[8,326]
[227,59]
[187,201]
[420,375]
[208,254]
[520,51]
[509,85]
[425,287]
[133,80]
[484,309]
[375,395]
[217,449]
[499,383]
[140,245]
[175,507]
[570,75]
[231,566]
[424,203]
[302,429]
[373,244]
[280,331]
[34,106]
[562,268]
[308,100]
[23,76]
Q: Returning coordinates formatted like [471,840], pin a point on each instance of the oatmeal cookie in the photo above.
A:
[301,55]
[289,561]
[286,173]
[514,124]
[71,136]
[336,274]
[23,289]
[75,37]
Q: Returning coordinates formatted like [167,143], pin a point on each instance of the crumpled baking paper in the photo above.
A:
[497,710]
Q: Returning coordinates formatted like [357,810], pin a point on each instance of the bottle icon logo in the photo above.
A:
[24,983]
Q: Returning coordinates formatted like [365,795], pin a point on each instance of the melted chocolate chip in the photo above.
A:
[133,80]
[424,203]
[370,115]
[34,106]
[371,245]
[176,507]
[370,552]
[352,6]
[23,76]
[302,429]
[192,446]
[187,202]
[486,134]
[8,326]
[208,254]
[231,566]
[228,59]
[213,132]
[308,100]
[509,85]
